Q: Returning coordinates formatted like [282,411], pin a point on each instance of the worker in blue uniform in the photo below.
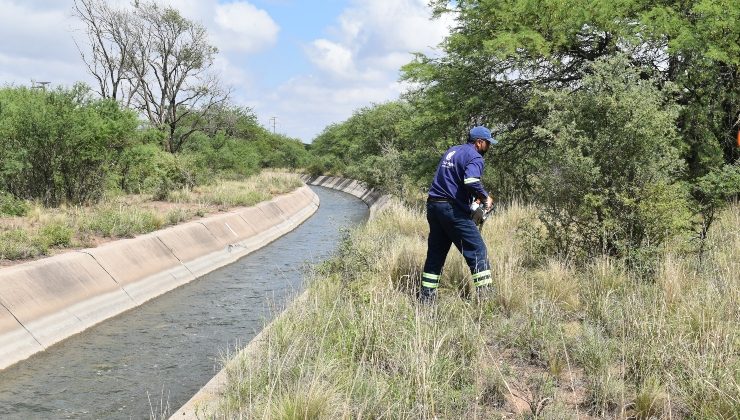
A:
[456,186]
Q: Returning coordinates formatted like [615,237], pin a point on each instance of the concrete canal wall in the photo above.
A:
[45,301]
[205,400]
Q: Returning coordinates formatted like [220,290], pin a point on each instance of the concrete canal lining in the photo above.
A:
[45,301]
[205,400]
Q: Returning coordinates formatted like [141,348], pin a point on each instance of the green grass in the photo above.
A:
[556,341]
[226,193]
[118,222]
[29,230]
[23,244]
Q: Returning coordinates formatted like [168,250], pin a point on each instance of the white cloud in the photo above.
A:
[235,26]
[332,57]
[358,64]
[18,70]
[28,32]
[391,25]
[243,27]
[305,105]
[373,39]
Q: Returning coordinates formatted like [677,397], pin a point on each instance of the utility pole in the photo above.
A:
[274,122]
[38,85]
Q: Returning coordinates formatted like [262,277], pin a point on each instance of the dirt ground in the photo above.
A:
[530,391]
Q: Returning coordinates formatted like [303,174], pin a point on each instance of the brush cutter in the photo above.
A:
[480,214]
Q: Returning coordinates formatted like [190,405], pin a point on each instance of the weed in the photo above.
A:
[56,234]
[121,222]
[17,244]
[651,400]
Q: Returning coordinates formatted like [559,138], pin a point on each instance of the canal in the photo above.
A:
[149,361]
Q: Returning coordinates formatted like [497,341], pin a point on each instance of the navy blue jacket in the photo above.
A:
[458,176]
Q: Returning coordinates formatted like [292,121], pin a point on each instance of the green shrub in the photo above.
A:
[713,192]
[611,184]
[55,234]
[138,167]
[222,155]
[325,165]
[12,206]
[58,146]
[174,172]
[18,244]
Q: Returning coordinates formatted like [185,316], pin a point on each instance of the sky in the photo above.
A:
[306,63]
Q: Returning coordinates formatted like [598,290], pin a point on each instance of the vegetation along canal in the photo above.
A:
[160,354]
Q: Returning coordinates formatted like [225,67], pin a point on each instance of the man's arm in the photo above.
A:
[472,181]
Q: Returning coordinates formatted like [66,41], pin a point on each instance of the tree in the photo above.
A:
[500,52]
[111,42]
[156,59]
[171,63]
[232,121]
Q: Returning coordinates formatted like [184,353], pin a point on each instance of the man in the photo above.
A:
[456,185]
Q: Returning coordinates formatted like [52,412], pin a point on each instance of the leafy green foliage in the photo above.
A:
[223,155]
[12,206]
[622,162]
[379,145]
[56,234]
[63,146]
[501,52]
[56,146]
[610,182]
[712,192]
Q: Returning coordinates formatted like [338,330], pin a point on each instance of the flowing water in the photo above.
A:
[152,359]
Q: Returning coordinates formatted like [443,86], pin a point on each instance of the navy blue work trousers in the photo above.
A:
[450,225]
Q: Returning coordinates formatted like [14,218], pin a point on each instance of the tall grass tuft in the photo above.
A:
[119,222]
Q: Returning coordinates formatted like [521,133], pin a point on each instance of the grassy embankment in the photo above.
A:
[43,231]
[556,341]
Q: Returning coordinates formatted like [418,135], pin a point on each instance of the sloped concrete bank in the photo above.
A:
[45,301]
[206,399]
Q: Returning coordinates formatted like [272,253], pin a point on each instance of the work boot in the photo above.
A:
[427,295]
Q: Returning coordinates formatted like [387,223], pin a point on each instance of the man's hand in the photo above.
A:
[489,203]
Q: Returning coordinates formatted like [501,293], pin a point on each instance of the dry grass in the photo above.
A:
[557,341]
[43,231]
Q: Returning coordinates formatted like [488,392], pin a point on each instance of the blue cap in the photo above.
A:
[481,132]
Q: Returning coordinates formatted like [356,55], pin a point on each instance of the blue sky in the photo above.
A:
[299,22]
[307,63]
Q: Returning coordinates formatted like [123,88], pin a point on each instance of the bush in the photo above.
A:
[712,192]
[11,206]
[55,234]
[58,146]
[137,168]
[610,185]
[18,244]
[325,165]
[222,155]
[174,172]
